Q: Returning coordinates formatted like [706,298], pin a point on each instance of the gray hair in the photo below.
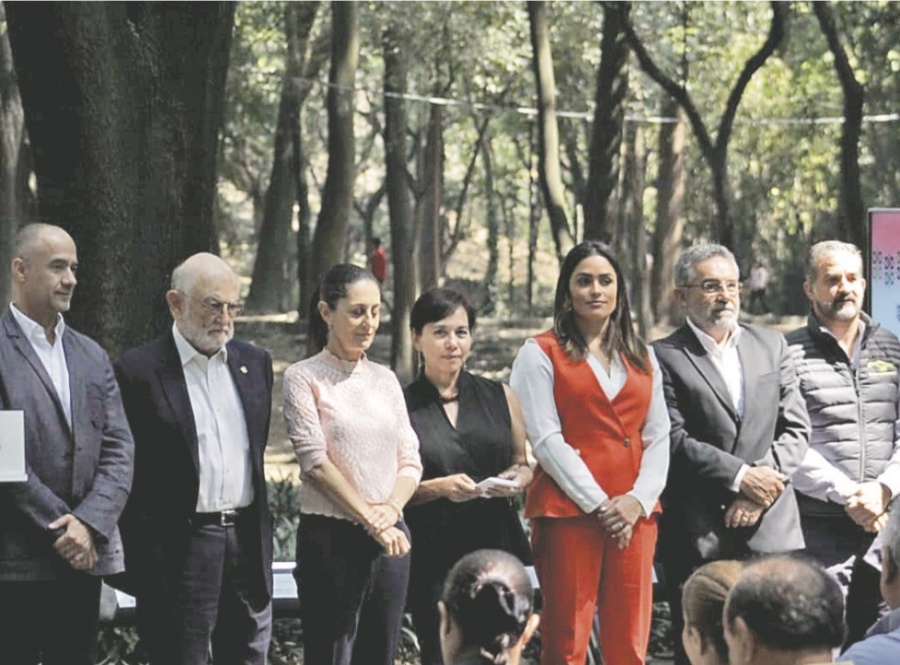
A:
[684,267]
[182,278]
[29,235]
[890,535]
[828,248]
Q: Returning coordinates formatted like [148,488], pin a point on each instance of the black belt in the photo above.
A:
[224,518]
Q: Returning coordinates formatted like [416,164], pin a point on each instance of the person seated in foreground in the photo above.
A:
[702,601]
[882,642]
[486,610]
[783,611]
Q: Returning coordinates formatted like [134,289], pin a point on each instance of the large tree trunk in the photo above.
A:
[669,213]
[853,209]
[123,105]
[270,275]
[402,228]
[608,125]
[12,137]
[430,249]
[548,129]
[337,196]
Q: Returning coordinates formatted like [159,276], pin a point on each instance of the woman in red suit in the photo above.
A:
[591,393]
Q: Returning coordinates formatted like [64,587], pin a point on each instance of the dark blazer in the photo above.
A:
[84,470]
[156,522]
[710,442]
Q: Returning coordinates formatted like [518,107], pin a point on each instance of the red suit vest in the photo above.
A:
[605,434]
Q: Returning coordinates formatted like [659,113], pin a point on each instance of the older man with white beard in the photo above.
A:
[848,369]
[197,529]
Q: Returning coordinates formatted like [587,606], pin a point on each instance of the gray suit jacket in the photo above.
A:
[85,470]
[710,442]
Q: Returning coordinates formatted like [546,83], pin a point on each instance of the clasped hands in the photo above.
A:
[380,525]
[760,487]
[618,516]
[867,506]
[75,545]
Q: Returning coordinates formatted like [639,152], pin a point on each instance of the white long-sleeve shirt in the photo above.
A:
[532,381]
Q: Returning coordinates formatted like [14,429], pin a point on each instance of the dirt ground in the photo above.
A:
[495,347]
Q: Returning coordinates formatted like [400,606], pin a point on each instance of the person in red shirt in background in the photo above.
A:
[378,261]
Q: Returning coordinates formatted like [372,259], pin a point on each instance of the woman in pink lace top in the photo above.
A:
[360,464]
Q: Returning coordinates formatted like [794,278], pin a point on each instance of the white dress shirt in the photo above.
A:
[223,442]
[532,381]
[727,362]
[52,356]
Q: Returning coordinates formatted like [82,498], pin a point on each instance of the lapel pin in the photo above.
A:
[243,369]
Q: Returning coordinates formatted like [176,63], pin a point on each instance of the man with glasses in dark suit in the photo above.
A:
[739,429]
[197,529]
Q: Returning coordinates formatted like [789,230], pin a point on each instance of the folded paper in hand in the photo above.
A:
[12,447]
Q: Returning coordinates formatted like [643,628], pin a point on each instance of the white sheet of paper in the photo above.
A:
[12,447]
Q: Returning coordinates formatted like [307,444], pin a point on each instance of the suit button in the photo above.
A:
[627,443]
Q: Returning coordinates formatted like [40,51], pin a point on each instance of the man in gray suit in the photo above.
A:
[739,429]
[58,532]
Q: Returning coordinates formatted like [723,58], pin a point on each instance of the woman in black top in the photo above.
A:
[470,431]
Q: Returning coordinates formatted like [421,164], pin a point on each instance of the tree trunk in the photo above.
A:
[12,137]
[608,125]
[337,195]
[304,221]
[534,219]
[430,246]
[399,205]
[853,209]
[493,228]
[669,213]
[635,165]
[548,130]
[123,106]
[270,276]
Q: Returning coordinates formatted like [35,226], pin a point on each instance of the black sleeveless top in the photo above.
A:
[481,446]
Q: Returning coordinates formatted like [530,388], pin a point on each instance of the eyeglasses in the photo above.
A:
[711,286]
[215,307]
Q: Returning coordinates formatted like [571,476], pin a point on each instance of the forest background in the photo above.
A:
[478,140]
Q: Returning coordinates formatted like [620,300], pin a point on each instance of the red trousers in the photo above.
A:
[581,569]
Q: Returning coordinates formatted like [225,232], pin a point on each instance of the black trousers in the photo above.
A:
[352,595]
[51,622]
[207,603]
[839,544]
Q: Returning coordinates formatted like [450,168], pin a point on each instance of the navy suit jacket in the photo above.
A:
[84,469]
[710,442]
[156,522]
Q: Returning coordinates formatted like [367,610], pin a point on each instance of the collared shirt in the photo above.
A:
[223,442]
[727,362]
[52,356]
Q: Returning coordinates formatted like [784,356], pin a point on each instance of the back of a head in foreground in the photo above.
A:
[703,599]
[490,598]
[789,604]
